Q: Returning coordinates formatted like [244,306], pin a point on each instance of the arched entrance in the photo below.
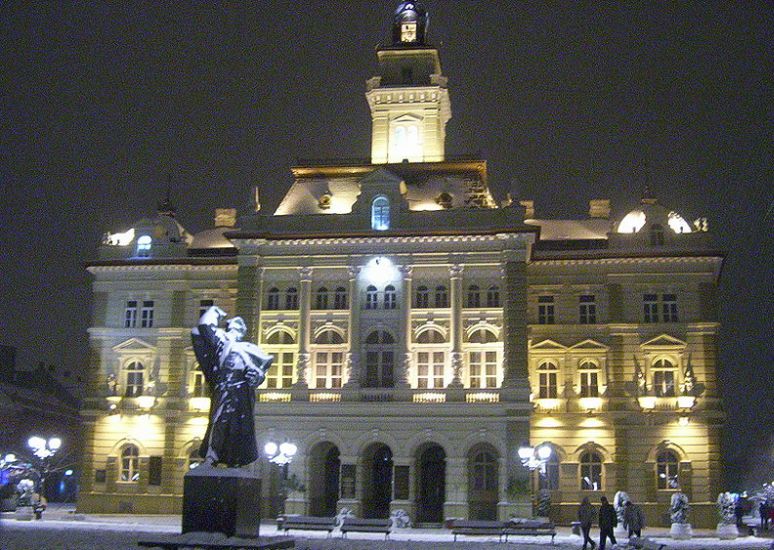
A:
[483,472]
[324,467]
[431,483]
[377,483]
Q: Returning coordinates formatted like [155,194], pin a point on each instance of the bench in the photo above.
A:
[360,525]
[529,528]
[215,541]
[306,523]
[477,528]
[646,544]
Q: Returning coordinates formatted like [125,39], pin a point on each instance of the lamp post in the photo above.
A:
[535,458]
[282,455]
[43,449]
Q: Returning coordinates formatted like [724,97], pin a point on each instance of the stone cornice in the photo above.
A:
[630,260]
[244,240]
[115,267]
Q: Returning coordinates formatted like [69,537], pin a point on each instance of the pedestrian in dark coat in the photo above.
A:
[633,519]
[586,516]
[608,520]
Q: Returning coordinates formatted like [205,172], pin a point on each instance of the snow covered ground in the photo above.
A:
[61,529]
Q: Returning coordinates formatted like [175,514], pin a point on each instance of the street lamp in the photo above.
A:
[44,450]
[535,458]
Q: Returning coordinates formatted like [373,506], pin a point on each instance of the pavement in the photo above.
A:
[63,528]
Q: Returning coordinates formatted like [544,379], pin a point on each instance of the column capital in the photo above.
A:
[406,271]
[354,271]
[305,274]
[455,271]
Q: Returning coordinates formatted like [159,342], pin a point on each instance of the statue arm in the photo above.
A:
[211,317]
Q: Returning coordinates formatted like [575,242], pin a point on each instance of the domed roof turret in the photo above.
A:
[651,213]
[409,24]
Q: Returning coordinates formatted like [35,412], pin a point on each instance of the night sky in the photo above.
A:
[566,101]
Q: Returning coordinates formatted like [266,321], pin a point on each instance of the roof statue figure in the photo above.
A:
[232,369]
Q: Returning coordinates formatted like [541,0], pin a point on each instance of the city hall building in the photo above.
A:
[423,333]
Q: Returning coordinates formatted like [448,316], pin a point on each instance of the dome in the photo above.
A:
[162,229]
[652,213]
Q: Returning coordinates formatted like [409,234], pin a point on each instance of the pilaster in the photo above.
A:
[353,356]
[304,325]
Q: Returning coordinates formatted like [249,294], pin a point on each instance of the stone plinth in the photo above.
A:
[727,531]
[222,500]
[681,531]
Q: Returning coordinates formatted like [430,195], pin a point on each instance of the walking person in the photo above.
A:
[763,510]
[633,519]
[608,520]
[586,516]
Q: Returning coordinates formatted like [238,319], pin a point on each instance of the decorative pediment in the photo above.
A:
[381,176]
[134,345]
[663,342]
[407,118]
[589,345]
[547,345]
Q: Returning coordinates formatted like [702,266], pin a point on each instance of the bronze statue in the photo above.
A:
[232,369]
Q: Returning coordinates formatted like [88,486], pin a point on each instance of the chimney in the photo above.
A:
[225,217]
[529,207]
[599,208]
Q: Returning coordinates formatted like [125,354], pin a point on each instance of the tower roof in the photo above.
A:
[409,24]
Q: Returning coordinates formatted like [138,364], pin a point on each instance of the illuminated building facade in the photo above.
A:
[422,334]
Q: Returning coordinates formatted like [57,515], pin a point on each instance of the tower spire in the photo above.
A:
[165,207]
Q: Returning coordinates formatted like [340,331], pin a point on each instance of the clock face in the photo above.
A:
[408,32]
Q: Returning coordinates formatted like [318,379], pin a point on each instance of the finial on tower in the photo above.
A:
[165,207]
[409,24]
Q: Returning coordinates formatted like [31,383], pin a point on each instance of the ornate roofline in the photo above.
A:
[622,259]
[251,239]
[116,266]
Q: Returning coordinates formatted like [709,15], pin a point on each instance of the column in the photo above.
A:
[304,297]
[353,356]
[455,273]
[169,464]
[516,371]
[401,374]
[249,294]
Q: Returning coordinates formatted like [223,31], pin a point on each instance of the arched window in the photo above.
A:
[144,246]
[380,214]
[549,479]
[280,337]
[130,464]
[656,235]
[291,298]
[340,298]
[548,373]
[194,460]
[390,297]
[372,297]
[380,360]
[135,379]
[589,379]
[321,298]
[474,296]
[431,336]
[273,299]
[329,337]
[422,298]
[493,296]
[663,378]
[482,336]
[590,471]
[483,369]
[484,471]
[667,470]
[441,296]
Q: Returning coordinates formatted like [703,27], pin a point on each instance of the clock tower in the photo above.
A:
[409,99]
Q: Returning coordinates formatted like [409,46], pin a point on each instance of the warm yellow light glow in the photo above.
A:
[146,402]
[591,423]
[632,222]
[380,271]
[548,422]
[200,403]
[199,421]
[548,404]
[683,421]
[429,398]
[274,397]
[647,402]
[324,397]
[425,206]
[677,223]
[590,403]
[685,401]
[119,239]
[483,397]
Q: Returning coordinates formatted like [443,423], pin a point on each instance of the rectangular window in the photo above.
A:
[340,299]
[650,308]
[204,305]
[430,369]
[390,298]
[401,483]
[664,383]
[547,382]
[199,386]
[100,476]
[321,300]
[545,310]
[441,297]
[348,477]
[372,298]
[280,374]
[483,369]
[328,368]
[154,470]
[422,298]
[589,384]
[587,309]
[147,314]
[130,314]
[669,308]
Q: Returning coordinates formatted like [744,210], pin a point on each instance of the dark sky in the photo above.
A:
[99,101]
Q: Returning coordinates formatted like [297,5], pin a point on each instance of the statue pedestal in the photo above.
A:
[681,531]
[727,531]
[222,500]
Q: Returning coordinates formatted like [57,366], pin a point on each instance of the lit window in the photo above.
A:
[441,296]
[144,246]
[390,297]
[474,296]
[135,379]
[430,366]
[589,379]
[372,297]
[321,298]
[493,296]
[405,143]
[587,309]
[146,319]
[664,378]
[380,214]
[547,380]
[340,298]
[130,464]
[130,314]
[328,368]
[545,310]
[280,374]
[650,308]
[291,298]
[422,298]
[483,369]
[669,308]
[550,479]
[281,337]
[667,470]
[590,471]
[482,336]
[273,299]
[204,305]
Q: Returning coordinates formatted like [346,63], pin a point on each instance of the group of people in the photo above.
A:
[633,521]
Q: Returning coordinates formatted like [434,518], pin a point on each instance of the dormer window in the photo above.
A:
[144,246]
[408,31]
[380,214]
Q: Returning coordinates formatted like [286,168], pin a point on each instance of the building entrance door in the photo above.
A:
[324,489]
[378,491]
[432,485]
